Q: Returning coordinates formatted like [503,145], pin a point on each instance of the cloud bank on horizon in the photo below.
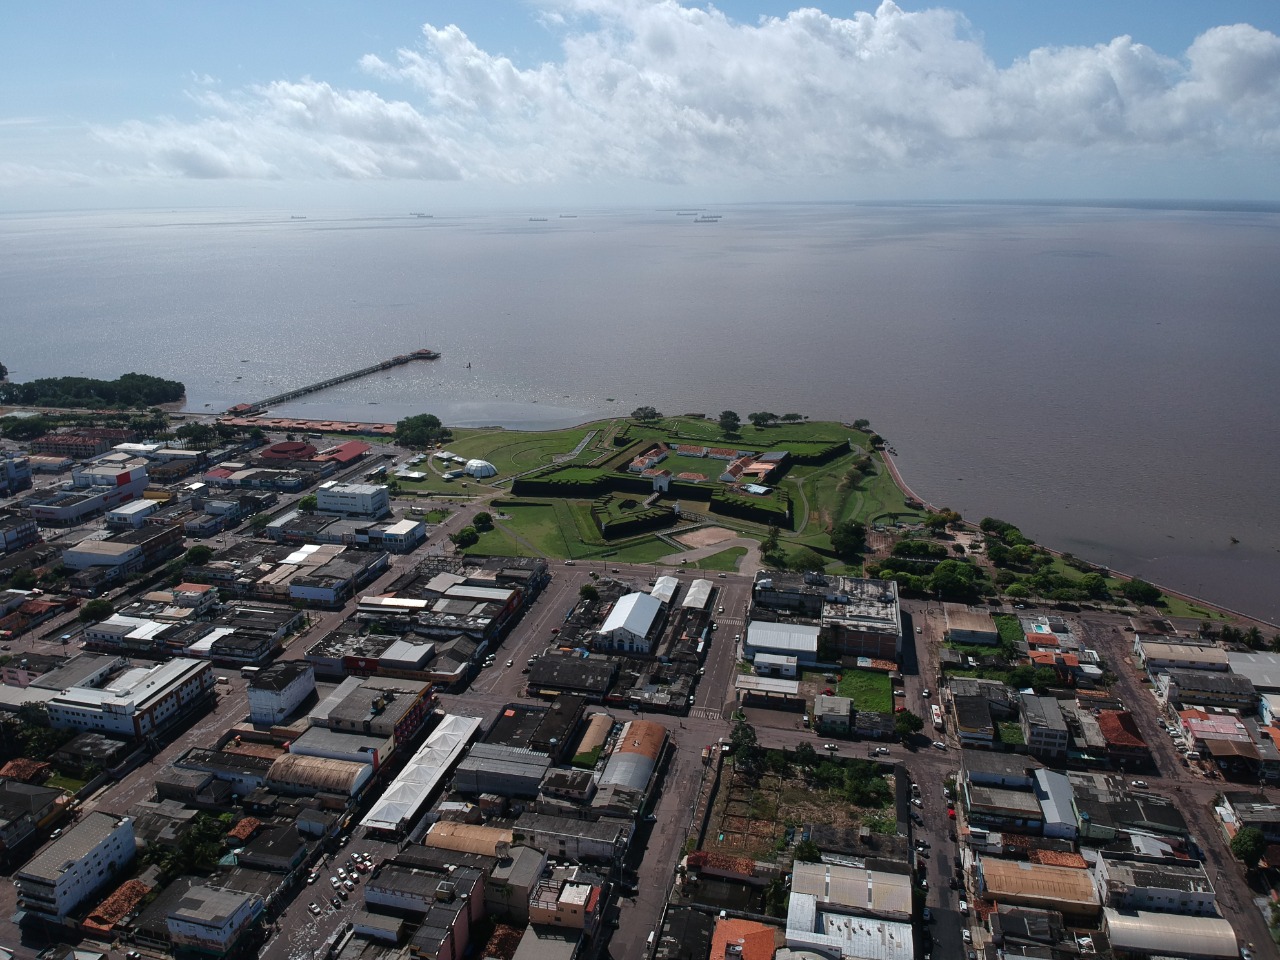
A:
[655,92]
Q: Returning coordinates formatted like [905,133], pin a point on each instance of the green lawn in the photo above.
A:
[869,690]
[726,560]
[496,543]
[61,782]
[433,483]
[515,451]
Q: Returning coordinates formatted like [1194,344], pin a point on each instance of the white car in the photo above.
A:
[939,744]
[966,935]
[830,746]
[917,802]
[1140,784]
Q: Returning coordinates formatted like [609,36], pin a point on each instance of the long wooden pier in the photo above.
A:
[242,409]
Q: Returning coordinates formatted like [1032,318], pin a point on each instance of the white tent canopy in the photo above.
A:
[480,469]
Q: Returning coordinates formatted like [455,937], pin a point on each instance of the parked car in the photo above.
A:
[966,935]
[916,801]
[899,693]
[939,744]
[830,746]
[313,908]
[1140,784]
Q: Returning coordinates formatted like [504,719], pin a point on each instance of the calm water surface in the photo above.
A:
[1103,377]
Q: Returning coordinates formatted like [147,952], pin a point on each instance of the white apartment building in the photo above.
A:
[138,703]
[279,690]
[353,499]
[82,860]
[212,919]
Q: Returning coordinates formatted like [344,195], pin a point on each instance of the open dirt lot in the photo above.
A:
[706,537]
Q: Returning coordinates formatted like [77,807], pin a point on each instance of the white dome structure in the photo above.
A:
[480,469]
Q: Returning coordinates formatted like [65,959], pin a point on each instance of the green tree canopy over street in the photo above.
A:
[1248,846]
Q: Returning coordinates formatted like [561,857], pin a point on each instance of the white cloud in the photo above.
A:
[654,90]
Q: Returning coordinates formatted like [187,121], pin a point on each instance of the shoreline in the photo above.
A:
[1189,598]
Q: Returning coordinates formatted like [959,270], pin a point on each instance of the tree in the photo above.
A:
[421,430]
[589,593]
[25,428]
[1017,591]
[953,578]
[308,503]
[762,419]
[770,544]
[465,537]
[806,559]
[1139,591]
[792,417]
[260,522]
[95,611]
[1248,846]
[806,756]
[861,425]
[4,372]
[483,520]
[199,436]
[906,723]
[1095,586]
[729,422]
[807,852]
[848,539]
[199,555]
[645,414]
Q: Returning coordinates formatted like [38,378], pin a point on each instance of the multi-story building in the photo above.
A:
[380,706]
[973,721]
[1043,727]
[1205,688]
[95,488]
[17,532]
[212,920]
[1162,884]
[1160,654]
[279,690]
[562,900]
[139,703]
[632,624]
[82,860]
[353,499]
[15,474]
[857,617]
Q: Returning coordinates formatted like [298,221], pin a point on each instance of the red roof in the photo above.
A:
[755,941]
[28,771]
[702,859]
[244,829]
[1119,729]
[345,452]
[218,473]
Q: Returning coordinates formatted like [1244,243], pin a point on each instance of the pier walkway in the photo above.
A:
[241,409]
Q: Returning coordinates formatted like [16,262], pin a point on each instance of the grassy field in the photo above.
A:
[870,690]
[433,483]
[496,543]
[726,560]
[60,782]
[516,451]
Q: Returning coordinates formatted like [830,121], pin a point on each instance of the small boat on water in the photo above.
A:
[537,219]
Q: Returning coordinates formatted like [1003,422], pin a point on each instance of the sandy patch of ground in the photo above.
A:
[705,537]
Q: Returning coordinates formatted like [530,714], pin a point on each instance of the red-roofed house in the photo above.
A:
[650,458]
[723,865]
[689,450]
[1124,740]
[745,939]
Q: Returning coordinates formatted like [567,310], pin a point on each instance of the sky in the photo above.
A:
[450,104]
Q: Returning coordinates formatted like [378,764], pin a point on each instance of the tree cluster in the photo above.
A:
[848,540]
[646,414]
[762,419]
[466,537]
[421,431]
[129,390]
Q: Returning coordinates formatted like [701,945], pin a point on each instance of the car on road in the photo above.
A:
[312,877]
[966,935]
[899,693]
[951,813]
[882,751]
[1246,953]
[928,915]
[511,663]
[830,746]
[964,908]
[939,745]
[917,802]
[720,575]
[952,882]
[615,570]
[1140,784]
[651,818]
[134,955]
[721,610]
[919,820]
[568,563]
[925,693]
[919,630]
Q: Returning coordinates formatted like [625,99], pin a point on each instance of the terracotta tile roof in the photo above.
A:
[117,906]
[703,859]
[694,477]
[754,940]
[1119,729]
[245,829]
[1056,858]
[28,771]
